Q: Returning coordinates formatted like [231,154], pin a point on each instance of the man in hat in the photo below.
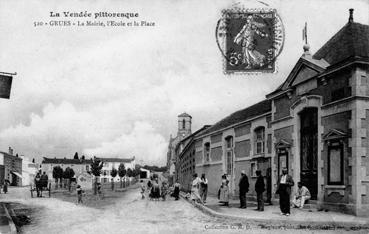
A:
[284,185]
[260,188]
[244,188]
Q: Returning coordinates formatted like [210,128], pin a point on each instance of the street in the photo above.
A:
[129,214]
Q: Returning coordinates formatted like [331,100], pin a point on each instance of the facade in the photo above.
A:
[185,167]
[110,163]
[184,130]
[29,171]
[79,166]
[316,124]
[11,168]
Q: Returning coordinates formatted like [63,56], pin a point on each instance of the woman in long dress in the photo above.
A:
[223,193]
[195,195]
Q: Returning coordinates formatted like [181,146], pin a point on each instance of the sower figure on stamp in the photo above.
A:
[284,185]
[246,38]
[244,188]
[260,188]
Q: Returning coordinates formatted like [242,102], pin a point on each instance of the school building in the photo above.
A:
[316,124]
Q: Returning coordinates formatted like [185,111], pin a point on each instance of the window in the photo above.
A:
[229,154]
[337,94]
[254,168]
[87,167]
[259,140]
[183,124]
[207,152]
[335,164]
[229,142]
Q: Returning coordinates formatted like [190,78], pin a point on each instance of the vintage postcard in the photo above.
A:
[167,116]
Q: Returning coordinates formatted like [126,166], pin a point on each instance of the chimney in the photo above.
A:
[351,17]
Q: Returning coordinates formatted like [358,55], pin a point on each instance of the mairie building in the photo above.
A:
[316,124]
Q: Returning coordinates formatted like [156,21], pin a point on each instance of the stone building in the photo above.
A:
[79,166]
[184,130]
[185,166]
[316,123]
[110,163]
[11,168]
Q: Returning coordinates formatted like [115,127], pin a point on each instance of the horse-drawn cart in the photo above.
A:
[40,188]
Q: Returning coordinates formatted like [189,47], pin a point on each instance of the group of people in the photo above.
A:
[41,180]
[156,192]
[199,188]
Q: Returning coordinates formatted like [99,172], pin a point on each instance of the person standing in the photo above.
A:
[44,180]
[195,195]
[284,185]
[243,189]
[5,187]
[143,189]
[223,193]
[38,184]
[302,195]
[204,188]
[175,193]
[79,194]
[260,188]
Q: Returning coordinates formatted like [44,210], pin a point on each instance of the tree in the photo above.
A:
[129,174]
[83,157]
[113,174]
[96,167]
[121,172]
[33,160]
[76,155]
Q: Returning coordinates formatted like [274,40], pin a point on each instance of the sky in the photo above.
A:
[117,91]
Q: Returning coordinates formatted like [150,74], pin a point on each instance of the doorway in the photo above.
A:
[309,150]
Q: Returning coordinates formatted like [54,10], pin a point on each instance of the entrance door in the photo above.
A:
[309,150]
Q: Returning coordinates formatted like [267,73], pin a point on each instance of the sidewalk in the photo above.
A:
[6,222]
[271,216]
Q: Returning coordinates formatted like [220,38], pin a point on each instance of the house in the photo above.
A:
[79,166]
[11,168]
[110,163]
[29,171]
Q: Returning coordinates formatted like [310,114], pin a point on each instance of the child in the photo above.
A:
[79,194]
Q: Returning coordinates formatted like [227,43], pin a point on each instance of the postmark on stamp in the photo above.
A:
[250,40]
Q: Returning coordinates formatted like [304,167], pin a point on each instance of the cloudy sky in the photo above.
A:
[117,91]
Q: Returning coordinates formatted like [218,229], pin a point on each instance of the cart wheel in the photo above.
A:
[49,189]
[31,192]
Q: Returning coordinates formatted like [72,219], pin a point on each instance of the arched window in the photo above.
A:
[259,140]
[183,124]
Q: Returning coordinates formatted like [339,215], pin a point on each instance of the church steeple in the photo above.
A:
[184,125]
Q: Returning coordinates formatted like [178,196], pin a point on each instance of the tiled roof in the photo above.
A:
[241,115]
[123,160]
[65,161]
[352,40]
